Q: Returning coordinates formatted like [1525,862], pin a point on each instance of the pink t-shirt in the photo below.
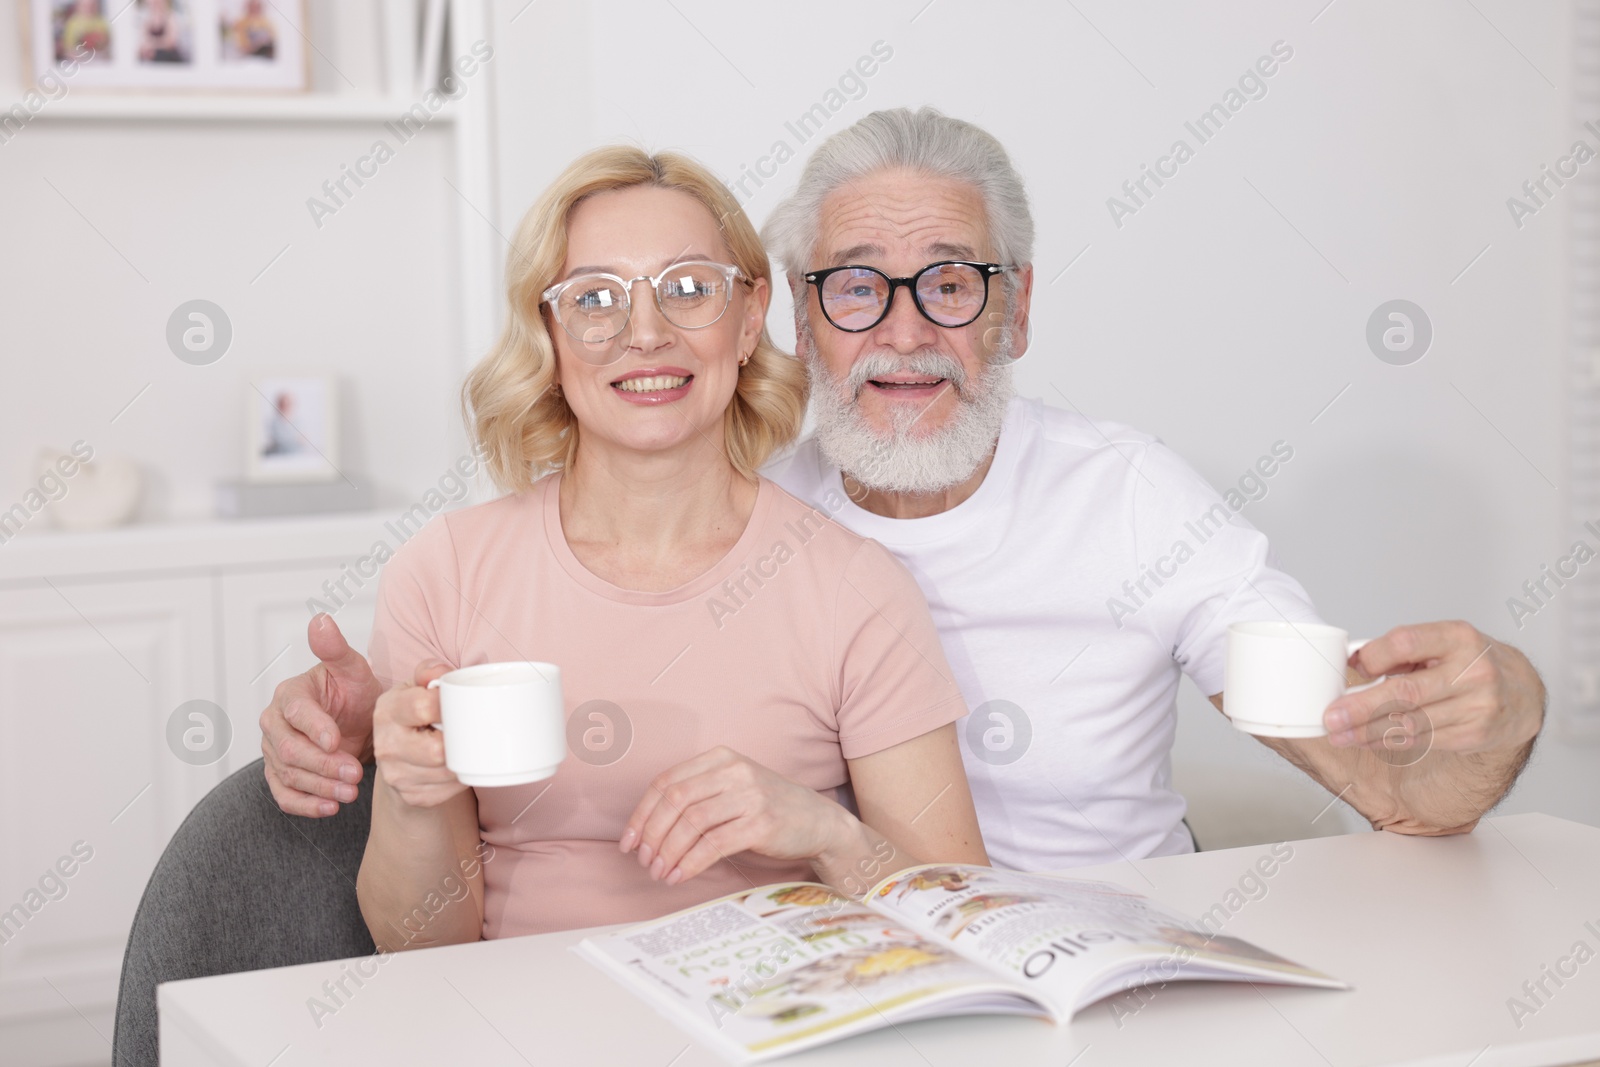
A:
[804,646]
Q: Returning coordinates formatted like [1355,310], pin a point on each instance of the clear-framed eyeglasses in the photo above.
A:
[595,308]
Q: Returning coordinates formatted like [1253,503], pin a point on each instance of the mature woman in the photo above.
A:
[779,674]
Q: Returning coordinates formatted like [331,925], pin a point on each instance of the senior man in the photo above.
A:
[1038,537]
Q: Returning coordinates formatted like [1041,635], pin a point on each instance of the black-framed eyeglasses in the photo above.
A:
[594,308]
[950,293]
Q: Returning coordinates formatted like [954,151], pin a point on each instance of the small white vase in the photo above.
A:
[101,493]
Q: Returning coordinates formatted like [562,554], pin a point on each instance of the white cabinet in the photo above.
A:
[102,638]
[89,674]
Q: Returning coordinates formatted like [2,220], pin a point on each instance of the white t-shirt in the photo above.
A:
[1071,675]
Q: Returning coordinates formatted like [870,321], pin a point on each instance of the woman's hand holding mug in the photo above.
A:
[410,752]
[493,724]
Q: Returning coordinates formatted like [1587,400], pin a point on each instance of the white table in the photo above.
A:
[1435,934]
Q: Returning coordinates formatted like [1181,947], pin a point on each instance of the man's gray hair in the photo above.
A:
[924,140]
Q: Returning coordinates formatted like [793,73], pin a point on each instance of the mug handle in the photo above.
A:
[1350,650]
[440,726]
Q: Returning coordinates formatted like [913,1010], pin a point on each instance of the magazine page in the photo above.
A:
[1073,939]
[784,967]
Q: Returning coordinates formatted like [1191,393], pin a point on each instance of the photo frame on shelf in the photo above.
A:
[161,45]
[292,428]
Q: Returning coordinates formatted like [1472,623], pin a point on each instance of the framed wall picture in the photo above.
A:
[169,44]
[293,430]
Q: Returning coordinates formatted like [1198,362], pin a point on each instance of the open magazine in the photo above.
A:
[785,967]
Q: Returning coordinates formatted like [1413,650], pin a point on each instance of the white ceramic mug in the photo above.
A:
[1281,676]
[503,723]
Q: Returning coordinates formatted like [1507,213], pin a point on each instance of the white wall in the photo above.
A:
[199,209]
[1389,141]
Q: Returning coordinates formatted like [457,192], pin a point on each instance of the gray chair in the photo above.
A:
[242,886]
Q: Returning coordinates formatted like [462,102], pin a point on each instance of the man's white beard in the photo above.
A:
[903,460]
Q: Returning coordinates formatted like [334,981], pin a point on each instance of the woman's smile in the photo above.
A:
[653,385]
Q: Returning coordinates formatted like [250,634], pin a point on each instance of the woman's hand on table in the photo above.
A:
[719,804]
[410,752]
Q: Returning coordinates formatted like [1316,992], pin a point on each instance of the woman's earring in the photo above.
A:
[744,359]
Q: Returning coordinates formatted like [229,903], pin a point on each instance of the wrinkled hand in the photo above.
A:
[317,731]
[1449,687]
[410,751]
[719,804]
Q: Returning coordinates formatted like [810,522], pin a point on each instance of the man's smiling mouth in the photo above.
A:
[906,384]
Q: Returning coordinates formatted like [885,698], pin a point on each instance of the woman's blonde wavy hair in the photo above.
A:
[523,425]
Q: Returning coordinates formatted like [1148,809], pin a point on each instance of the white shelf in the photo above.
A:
[198,545]
[196,107]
